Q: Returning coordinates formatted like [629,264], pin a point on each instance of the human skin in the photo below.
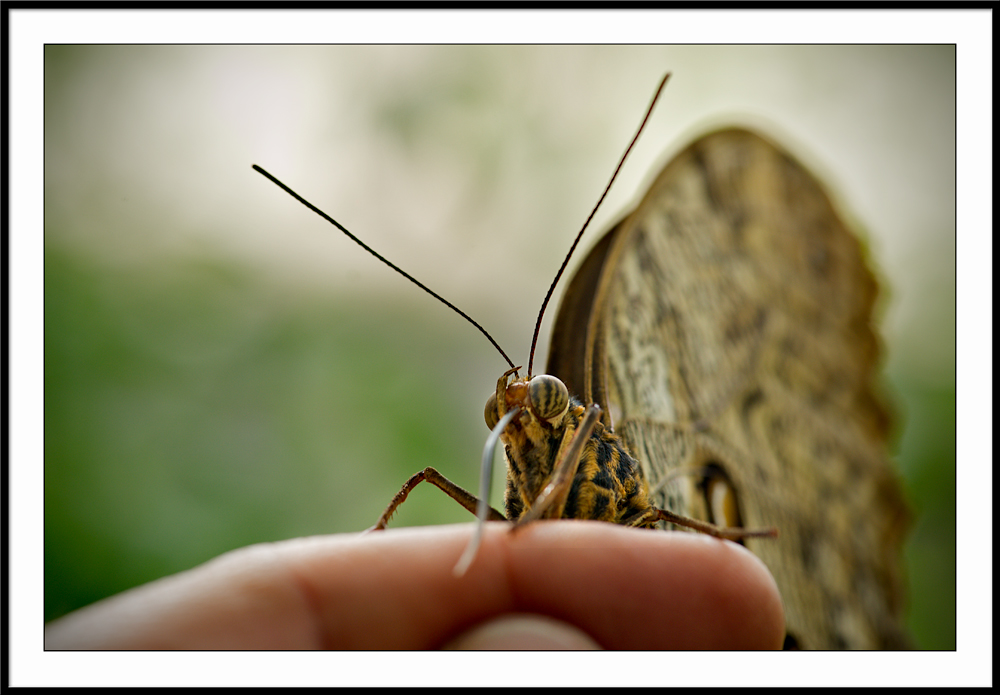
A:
[554,584]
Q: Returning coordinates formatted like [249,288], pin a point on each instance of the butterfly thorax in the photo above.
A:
[608,484]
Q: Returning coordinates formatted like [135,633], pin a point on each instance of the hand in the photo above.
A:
[553,584]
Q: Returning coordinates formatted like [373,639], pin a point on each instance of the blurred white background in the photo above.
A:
[467,160]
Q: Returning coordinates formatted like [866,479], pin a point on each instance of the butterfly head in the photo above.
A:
[542,398]
[544,411]
[539,414]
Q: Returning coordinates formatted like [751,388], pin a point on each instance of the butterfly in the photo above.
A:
[713,367]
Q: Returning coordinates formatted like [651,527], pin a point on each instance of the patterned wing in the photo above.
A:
[728,330]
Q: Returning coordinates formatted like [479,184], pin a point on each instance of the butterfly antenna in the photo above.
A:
[562,268]
[370,250]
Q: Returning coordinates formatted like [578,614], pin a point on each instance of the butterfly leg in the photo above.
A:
[652,515]
[457,493]
[729,533]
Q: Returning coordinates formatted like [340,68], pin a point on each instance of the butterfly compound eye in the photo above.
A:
[492,418]
[549,397]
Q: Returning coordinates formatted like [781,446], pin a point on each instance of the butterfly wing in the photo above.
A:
[725,327]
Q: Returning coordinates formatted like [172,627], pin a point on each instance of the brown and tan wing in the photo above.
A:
[726,326]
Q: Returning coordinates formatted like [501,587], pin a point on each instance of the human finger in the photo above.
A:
[625,588]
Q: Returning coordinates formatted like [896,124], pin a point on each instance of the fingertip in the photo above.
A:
[523,632]
[636,589]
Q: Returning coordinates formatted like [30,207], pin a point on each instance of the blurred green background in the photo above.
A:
[223,368]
